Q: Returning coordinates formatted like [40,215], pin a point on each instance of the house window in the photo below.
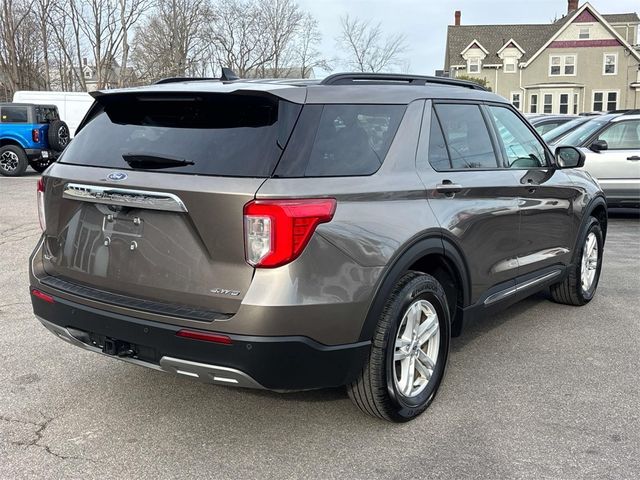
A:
[610,66]
[585,33]
[605,101]
[560,65]
[576,98]
[533,103]
[547,106]
[564,103]
[473,65]
[515,99]
[87,74]
[510,65]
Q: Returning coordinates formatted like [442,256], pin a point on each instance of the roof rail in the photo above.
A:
[398,78]
[626,111]
[228,75]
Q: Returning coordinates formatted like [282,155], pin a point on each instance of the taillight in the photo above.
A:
[40,199]
[35,135]
[276,231]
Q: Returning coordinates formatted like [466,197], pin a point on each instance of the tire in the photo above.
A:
[378,391]
[58,135]
[40,165]
[571,291]
[13,161]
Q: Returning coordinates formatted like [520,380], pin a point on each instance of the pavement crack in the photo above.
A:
[36,441]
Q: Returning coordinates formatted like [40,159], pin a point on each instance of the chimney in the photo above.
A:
[84,61]
[572,6]
[458,14]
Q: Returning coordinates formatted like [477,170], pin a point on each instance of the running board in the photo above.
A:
[503,294]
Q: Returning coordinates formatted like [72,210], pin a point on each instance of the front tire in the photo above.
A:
[13,161]
[409,351]
[579,286]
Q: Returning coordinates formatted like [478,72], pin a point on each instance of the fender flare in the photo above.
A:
[14,140]
[400,263]
[584,222]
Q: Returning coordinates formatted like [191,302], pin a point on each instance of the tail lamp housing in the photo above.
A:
[40,200]
[277,231]
[35,135]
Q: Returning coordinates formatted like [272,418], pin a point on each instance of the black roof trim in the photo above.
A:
[397,78]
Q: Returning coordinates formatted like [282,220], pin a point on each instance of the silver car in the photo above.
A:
[612,145]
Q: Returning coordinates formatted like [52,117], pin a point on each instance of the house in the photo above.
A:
[281,72]
[111,75]
[583,62]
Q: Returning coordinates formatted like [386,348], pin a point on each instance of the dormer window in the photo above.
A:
[510,65]
[585,33]
[473,65]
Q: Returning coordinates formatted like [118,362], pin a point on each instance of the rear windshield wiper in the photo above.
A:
[149,161]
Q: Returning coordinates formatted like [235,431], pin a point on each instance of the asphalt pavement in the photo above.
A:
[539,391]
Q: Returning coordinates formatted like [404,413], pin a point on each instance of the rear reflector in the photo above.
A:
[205,336]
[42,296]
[276,231]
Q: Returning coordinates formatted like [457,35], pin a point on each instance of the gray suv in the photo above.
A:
[292,235]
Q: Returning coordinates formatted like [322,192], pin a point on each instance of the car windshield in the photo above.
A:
[563,129]
[582,133]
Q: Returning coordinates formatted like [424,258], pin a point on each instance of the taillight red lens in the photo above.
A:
[40,200]
[42,296]
[205,336]
[276,231]
[35,135]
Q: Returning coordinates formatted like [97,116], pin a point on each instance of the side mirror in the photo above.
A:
[598,146]
[569,157]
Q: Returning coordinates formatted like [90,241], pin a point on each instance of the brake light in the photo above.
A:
[205,336]
[42,296]
[276,231]
[40,200]
[35,135]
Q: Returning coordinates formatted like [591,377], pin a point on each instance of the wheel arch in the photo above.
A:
[10,141]
[434,255]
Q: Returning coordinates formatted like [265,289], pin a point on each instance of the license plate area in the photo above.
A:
[118,224]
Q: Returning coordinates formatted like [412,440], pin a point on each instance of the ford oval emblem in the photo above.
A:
[117,176]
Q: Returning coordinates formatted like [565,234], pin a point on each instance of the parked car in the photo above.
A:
[611,143]
[309,234]
[555,134]
[72,106]
[30,135]
[546,122]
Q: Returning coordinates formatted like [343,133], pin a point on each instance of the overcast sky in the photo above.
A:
[424,22]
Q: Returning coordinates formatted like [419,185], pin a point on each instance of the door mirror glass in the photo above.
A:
[599,145]
[569,157]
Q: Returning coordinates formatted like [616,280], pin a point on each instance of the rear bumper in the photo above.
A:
[275,363]
[38,153]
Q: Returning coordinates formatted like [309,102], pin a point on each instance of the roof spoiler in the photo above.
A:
[228,75]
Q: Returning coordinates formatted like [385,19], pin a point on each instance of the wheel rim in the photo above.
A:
[63,136]
[416,348]
[9,161]
[589,262]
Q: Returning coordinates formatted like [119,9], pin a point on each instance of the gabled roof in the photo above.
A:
[529,37]
[475,44]
[511,43]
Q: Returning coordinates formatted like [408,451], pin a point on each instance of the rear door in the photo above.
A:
[146,204]
[473,197]
[618,167]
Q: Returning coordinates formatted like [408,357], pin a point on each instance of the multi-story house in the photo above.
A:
[583,62]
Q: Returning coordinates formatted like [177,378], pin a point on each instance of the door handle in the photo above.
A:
[633,158]
[448,187]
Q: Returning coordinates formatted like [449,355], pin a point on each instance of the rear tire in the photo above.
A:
[579,286]
[13,161]
[408,353]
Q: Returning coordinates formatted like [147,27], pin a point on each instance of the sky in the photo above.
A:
[424,22]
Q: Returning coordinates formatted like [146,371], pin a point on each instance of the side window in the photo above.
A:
[438,155]
[622,135]
[520,146]
[14,115]
[466,136]
[353,139]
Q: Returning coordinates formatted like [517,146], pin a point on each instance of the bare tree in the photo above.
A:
[308,55]
[368,49]
[281,21]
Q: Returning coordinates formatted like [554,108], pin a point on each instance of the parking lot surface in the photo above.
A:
[539,391]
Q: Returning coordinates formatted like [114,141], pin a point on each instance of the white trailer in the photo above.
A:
[72,106]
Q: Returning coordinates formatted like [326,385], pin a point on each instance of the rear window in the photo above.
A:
[340,140]
[214,134]
[14,114]
[46,114]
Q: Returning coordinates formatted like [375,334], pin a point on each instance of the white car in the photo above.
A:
[612,145]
